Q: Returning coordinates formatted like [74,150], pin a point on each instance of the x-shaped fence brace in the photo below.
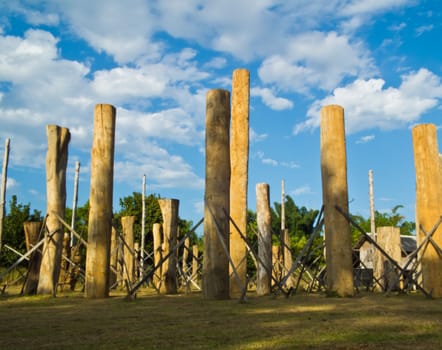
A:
[382,251]
[133,290]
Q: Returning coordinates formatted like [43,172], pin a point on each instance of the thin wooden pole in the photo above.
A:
[143,219]
[3,189]
[371,195]
[74,202]
[282,206]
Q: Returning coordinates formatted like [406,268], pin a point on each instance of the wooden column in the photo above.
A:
[263,219]
[100,199]
[428,202]
[113,260]
[185,255]
[276,262]
[239,160]
[287,256]
[56,162]
[389,239]
[195,254]
[216,197]
[335,193]
[127,224]
[32,230]
[157,254]
[169,211]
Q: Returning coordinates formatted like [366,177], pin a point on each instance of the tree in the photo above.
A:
[392,218]
[13,231]
[299,221]
[132,205]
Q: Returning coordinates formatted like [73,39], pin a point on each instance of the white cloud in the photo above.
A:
[422,29]
[303,190]
[365,7]
[365,139]
[255,137]
[316,60]
[11,184]
[368,104]
[270,100]
[121,29]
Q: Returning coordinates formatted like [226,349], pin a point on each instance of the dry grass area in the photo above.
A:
[189,322]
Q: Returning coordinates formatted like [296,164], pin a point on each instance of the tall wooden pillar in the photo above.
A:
[100,199]
[428,202]
[185,255]
[389,239]
[217,194]
[195,263]
[335,193]
[239,160]
[263,219]
[169,211]
[56,162]
[157,254]
[32,231]
[127,223]
[287,256]
[113,268]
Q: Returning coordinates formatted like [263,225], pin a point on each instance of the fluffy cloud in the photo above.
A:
[316,60]
[270,100]
[368,104]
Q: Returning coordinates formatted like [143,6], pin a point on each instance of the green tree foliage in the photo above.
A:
[81,219]
[392,218]
[299,221]
[13,231]
[132,205]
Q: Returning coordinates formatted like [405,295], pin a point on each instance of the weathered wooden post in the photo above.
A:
[113,260]
[127,224]
[428,202]
[169,211]
[32,231]
[217,194]
[263,219]
[185,255]
[285,238]
[277,262]
[287,257]
[100,199]
[389,239]
[56,162]
[195,254]
[239,160]
[3,189]
[157,254]
[335,193]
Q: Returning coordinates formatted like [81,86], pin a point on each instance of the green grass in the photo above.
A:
[367,321]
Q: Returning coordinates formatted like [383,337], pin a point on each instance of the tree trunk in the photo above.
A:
[428,202]
[56,162]
[239,160]
[100,211]
[335,193]
[127,223]
[169,211]
[32,232]
[216,197]
[263,219]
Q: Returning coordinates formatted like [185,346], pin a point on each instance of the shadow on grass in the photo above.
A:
[191,322]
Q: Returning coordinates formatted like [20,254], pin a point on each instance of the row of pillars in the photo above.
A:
[225,212]
[428,168]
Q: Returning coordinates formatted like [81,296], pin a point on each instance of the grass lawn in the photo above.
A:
[367,321]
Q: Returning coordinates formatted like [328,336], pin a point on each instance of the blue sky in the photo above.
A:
[155,61]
